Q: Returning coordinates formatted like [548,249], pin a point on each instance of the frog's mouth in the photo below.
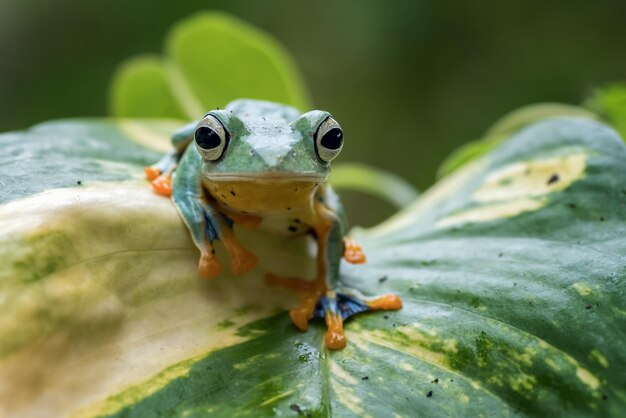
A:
[268,176]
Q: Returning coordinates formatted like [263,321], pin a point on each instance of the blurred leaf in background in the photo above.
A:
[610,102]
[409,80]
[211,59]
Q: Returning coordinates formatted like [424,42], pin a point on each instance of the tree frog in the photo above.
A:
[265,165]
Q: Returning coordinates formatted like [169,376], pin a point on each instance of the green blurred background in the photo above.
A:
[408,80]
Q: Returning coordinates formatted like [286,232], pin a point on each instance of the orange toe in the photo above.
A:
[162,185]
[151,172]
[387,302]
[334,339]
[353,253]
[300,318]
[209,266]
[243,261]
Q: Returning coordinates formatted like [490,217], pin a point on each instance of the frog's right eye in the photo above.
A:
[211,138]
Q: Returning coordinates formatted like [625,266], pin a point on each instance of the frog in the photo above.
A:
[264,165]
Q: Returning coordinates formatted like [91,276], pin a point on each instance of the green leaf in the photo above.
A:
[511,271]
[506,126]
[142,89]
[211,59]
[610,101]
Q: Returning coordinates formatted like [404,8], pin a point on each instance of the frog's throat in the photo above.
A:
[254,195]
[271,176]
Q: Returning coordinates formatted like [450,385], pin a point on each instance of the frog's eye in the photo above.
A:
[328,140]
[211,138]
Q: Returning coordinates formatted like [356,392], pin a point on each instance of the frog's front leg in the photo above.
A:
[160,174]
[205,222]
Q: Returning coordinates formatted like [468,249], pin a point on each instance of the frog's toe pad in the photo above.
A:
[162,185]
[353,253]
[209,267]
[243,261]
[151,172]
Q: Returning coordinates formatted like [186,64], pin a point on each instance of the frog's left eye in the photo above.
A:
[328,140]
[211,138]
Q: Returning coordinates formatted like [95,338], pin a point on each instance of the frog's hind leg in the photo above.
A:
[322,298]
[309,295]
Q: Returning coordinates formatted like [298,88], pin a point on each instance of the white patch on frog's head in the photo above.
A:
[272,147]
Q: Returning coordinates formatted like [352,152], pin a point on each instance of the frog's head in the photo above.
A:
[251,140]
[264,143]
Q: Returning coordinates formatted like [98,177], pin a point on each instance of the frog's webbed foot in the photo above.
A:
[333,307]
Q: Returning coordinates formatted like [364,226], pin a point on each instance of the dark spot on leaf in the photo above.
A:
[212,250]
[297,220]
[601,218]
[530,302]
[295,190]
[588,307]
[435,381]
[514,283]
[288,208]
[233,193]
[223,196]
[79,182]
[571,205]
[500,255]
[365,378]
[299,410]
[383,279]
[292,228]
[604,397]
[553,178]
[429,394]
[386,316]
